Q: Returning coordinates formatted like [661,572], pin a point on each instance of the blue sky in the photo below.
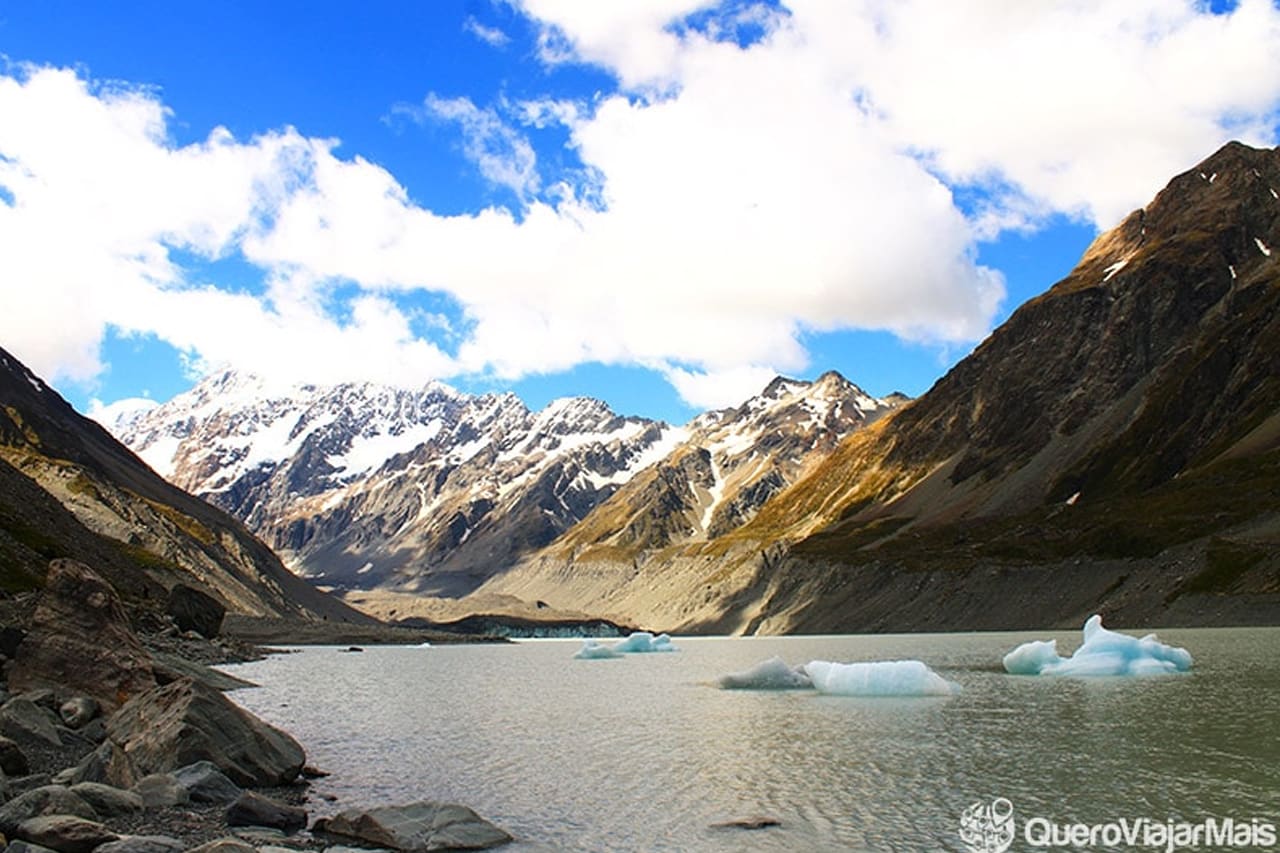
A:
[658,203]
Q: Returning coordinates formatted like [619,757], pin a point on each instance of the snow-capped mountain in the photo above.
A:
[432,491]
[366,485]
[729,464]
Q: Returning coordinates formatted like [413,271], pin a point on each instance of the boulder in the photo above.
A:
[26,847]
[107,764]
[160,791]
[205,783]
[143,844]
[13,761]
[193,610]
[47,800]
[106,800]
[65,833]
[21,718]
[80,640]
[22,784]
[77,711]
[224,845]
[251,809]
[416,827]
[185,722]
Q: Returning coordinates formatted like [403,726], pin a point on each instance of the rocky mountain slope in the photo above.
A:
[361,486]
[433,491]
[68,489]
[1114,445]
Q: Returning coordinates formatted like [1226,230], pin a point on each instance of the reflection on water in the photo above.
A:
[643,753]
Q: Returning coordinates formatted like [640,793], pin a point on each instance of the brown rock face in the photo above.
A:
[185,722]
[80,640]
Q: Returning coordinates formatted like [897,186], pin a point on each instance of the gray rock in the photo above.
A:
[50,799]
[44,697]
[185,722]
[143,844]
[22,784]
[80,640]
[26,847]
[65,833]
[205,783]
[160,791]
[106,800]
[251,809]
[13,761]
[21,718]
[95,731]
[169,668]
[107,764]
[193,610]
[224,845]
[78,710]
[416,827]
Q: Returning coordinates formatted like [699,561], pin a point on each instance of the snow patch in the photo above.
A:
[368,453]
[1071,501]
[1262,247]
[1113,269]
[1213,177]
[1232,270]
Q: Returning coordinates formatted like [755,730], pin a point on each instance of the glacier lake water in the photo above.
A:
[644,753]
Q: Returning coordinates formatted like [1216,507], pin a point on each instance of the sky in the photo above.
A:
[660,203]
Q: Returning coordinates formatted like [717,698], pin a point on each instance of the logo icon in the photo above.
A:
[988,827]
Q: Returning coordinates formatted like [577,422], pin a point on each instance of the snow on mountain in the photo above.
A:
[364,485]
[728,463]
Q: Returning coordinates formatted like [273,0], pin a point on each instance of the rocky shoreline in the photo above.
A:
[113,741]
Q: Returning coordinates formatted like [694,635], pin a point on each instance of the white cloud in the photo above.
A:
[504,157]
[491,36]
[730,199]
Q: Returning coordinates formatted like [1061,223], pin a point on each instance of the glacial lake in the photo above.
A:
[644,753]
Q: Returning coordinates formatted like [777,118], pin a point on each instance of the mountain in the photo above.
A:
[730,463]
[362,486]
[69,489]
[1115,445]
[433,492]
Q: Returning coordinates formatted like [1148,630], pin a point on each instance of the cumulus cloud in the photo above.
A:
[732,196]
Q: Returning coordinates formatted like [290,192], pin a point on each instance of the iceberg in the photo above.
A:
[592,650]
[643,641]
[772,674]
[1103,652]
[879,678]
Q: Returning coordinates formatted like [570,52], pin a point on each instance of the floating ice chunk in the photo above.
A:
[879,678]
[643,641]
[1102,653]
[1031,658]
[592,650]
[772,674]
[425,644]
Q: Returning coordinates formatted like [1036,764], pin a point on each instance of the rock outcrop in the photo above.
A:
[80,639]
[185,722]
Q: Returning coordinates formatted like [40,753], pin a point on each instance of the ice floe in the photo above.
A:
[1102,653]
[879,678]
[772,674]
[592,650]
[639,642]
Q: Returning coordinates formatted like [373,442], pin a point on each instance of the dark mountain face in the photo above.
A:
[1132,412]
[68,489]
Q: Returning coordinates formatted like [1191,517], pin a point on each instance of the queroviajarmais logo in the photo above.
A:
[988,827]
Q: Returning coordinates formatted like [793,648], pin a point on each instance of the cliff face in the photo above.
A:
[68,489]
[1123,425]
